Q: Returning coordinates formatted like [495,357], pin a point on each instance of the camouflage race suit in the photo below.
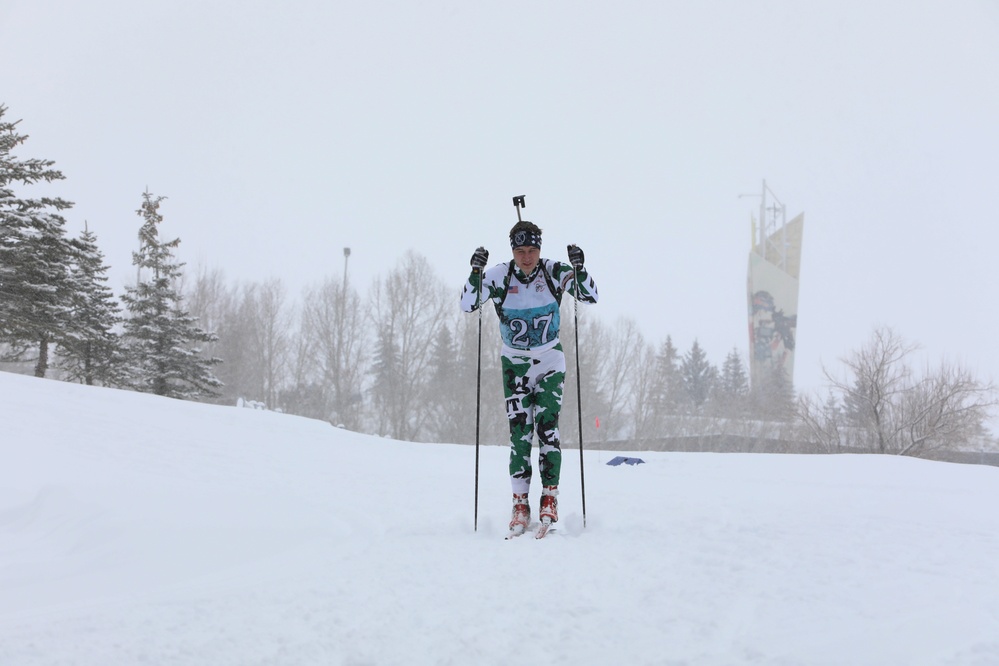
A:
[532,386]
[532,358]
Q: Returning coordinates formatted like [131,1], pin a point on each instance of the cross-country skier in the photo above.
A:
[527,292]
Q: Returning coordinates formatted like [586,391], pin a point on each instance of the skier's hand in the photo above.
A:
[575,256]
[479,259]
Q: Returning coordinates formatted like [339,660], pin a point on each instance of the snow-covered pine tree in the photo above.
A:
[160,336]
[34,255]
[91,351]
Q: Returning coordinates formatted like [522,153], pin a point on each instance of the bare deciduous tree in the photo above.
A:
[408,307]
[493,423]
[613,372]
[332,320]
[944,410]
[272,319]
[645,413]
[823,423]
[886,408]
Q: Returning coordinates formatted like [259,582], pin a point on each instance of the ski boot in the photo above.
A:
[549,504]
[521,515]
[549,510]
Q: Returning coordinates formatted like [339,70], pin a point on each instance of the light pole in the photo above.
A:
[340,400]
[346,257]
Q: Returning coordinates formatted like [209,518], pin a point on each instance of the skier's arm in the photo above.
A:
[572,279]
[587,287]
[472,296]
[581,280]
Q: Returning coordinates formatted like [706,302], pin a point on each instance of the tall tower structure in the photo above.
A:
[774,268]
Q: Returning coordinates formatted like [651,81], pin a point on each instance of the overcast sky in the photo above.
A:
[283,132]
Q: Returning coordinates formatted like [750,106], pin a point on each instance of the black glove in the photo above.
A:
[575,256]
[479,259]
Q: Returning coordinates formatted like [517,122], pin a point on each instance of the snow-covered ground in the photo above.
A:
[144,530]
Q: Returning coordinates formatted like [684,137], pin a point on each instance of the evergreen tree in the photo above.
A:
[698,376]
[772,398]
[734,381]
[658,391]
[386,373]
[669,384]
[160,336]
[445,393]
[91,350]
[733,387]
[35,255]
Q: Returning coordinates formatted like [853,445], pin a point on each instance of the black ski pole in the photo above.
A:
[579,392]
[478,397]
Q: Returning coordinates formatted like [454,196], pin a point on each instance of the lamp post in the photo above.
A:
[339,398]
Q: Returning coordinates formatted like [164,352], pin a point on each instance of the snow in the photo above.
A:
[144,530]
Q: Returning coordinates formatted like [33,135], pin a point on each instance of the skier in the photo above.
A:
[527,292]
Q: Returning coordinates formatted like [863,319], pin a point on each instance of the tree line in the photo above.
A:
[398,358]
[401,360]
[56,307]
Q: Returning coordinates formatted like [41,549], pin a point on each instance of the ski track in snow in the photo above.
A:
[142,530]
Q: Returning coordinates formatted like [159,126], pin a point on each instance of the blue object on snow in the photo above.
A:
[627,461]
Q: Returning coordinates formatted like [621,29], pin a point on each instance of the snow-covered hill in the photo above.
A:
[143,530]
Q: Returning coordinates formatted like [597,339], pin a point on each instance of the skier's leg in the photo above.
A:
[548,405]
[548,401]
[520,412]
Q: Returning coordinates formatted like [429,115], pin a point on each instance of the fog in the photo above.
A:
[283,133]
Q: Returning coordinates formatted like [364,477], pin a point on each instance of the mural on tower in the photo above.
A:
[774,268]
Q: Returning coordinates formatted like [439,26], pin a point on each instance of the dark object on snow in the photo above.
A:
[627,461]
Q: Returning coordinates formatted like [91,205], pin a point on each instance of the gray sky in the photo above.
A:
[282,132]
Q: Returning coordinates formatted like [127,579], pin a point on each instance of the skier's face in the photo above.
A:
[526,257]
